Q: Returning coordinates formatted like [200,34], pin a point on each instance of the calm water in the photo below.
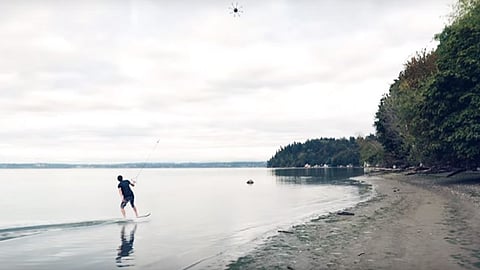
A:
[201,218]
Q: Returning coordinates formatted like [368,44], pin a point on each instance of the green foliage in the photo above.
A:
[397,121]
[453,100]
[462,9]
[333,152]
[431,113]
[371,151]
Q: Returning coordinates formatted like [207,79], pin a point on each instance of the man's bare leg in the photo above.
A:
[123,212]
[135,210]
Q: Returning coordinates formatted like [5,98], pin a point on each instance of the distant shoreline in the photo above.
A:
[150,165]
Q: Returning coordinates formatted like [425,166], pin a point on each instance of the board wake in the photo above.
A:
[23,231]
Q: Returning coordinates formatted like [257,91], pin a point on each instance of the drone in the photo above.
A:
[236,10]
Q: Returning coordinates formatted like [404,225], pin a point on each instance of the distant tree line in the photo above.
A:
[431,114]
[324,151]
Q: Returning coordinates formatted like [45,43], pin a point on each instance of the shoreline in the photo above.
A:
[411,222]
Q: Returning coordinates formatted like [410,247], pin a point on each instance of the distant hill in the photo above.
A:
[318,152]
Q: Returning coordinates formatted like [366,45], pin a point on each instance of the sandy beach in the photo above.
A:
[412,222]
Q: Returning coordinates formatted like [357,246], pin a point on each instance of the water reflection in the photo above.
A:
[125,256]
[316,176]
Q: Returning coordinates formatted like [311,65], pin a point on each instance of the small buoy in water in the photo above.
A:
[250,182]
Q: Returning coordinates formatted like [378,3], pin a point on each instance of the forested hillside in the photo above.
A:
[324,151]
[431,114]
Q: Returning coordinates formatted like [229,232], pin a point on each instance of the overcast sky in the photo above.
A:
[103,81]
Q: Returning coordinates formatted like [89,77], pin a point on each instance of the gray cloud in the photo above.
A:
[99,81]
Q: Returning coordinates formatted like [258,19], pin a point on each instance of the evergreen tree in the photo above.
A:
[451,108]
[323,151]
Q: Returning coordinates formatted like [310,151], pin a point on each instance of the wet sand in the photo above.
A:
[413,222]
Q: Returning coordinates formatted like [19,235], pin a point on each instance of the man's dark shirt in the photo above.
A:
[125,186]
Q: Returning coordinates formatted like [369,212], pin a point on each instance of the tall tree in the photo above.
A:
[453,99]
[371,151]
[397,119]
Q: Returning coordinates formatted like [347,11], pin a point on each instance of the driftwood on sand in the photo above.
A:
[422,170]
[282,231]
[345,213]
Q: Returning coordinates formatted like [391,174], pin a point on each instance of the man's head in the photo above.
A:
[119,178]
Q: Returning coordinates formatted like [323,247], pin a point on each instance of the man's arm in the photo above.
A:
[121,194]
[132,183]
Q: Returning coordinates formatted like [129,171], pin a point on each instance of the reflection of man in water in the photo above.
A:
[125,250]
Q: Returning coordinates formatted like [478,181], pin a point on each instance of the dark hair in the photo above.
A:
[119,178]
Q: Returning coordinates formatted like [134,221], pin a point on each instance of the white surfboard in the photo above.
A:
[144,216]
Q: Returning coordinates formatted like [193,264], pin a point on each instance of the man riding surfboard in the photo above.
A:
[126,194]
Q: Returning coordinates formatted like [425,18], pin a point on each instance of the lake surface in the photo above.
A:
[201,218]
